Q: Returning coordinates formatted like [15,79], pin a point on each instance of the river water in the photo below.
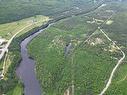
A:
[26,70]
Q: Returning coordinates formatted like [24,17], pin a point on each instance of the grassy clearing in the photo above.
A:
[10,84]
[9,29]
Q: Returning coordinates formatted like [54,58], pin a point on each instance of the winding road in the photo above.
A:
[119,61]
[117,65]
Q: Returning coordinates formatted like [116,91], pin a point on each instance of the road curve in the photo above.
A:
[115,68]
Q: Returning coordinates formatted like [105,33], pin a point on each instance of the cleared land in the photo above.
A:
[9,29]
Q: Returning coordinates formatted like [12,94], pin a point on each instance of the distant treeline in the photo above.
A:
[11,10]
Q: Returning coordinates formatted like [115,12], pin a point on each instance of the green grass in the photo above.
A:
[18,90]
[7,30]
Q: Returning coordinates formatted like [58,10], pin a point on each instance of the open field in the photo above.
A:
[9,29]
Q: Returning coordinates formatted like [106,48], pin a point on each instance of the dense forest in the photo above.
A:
[11,10]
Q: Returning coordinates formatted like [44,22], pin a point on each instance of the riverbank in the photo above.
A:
[53,70]
[56,73]
[14,51]
[10,85]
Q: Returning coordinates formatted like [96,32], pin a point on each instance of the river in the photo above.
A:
[26,70]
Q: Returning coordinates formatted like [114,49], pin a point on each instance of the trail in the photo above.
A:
[115,68]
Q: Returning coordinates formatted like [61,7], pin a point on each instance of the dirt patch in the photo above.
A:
[67,92]
[109,22]
[95,41]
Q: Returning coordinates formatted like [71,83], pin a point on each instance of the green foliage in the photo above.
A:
[11,10]
[117,31]
[55,71]
[18,90]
